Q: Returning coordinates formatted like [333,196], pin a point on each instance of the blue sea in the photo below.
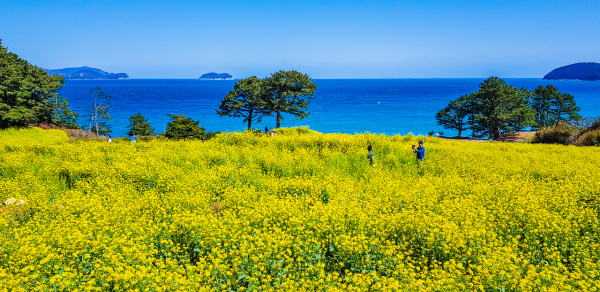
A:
[388,106]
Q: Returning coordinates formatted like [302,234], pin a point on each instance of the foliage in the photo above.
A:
[289,92]
[63,116]
[590,132]
[500,108]
[247,100]
[588,138]
[298,212]
[560,133]
[454,114]
[183,127]
[210,135]
[98,111]
[28,95]
[552,106]
[497,108]
[138,124]
[580,132]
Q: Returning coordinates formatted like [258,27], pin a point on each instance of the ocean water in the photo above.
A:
[388,106]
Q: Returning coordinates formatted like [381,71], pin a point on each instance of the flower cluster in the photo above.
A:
[297,211]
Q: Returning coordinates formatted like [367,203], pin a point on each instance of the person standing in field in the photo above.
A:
[132,137]
[370,155]
[109,139]
[420,152]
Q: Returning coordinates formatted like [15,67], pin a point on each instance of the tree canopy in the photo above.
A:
[495,109]
[289,92]
[454,114]
[552,106]
[500,108]
[138,124]
[247,100]
[282,92]
[29,96]
[98,110]
[183,127]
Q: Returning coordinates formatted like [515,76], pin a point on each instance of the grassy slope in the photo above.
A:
[298,211]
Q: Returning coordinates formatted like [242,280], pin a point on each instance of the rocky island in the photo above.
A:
[216,76]
[86,73]
[578,71]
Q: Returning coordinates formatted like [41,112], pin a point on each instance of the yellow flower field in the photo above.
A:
[297,211]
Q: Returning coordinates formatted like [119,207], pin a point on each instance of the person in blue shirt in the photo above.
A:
[370,155]
[420,152]
[132,137]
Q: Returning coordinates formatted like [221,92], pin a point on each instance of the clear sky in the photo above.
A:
[325,39]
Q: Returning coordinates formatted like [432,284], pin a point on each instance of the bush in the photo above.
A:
[589,138]
[138,124]
[557,134]
[583,132]
[595,124]
[183,127]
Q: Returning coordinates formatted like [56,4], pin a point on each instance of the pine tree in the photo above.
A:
[183,127]
[99,112]
[138,124]
[289,92]
[247,100]
[454,114]
[29,96]
[500,108]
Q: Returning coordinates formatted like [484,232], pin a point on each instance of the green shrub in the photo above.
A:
[589,138]
[138,124]
[183,127]
[557,134]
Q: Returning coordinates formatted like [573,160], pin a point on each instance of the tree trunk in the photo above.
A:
[459,131]
[496,135]
[249,118]
[96,116]
[96,120]
[278,119]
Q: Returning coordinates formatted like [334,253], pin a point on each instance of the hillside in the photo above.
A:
[86,73]
[578,71]
[300,211]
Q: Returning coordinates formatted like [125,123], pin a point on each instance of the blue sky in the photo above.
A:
[332,39]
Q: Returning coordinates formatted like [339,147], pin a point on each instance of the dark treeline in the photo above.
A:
[498,108]
[29,95]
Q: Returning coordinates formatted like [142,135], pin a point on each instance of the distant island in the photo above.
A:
[578,71]
[86,73]
[216,76]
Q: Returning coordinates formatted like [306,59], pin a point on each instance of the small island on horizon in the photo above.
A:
[86,73]
[588,71]
[216,76]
